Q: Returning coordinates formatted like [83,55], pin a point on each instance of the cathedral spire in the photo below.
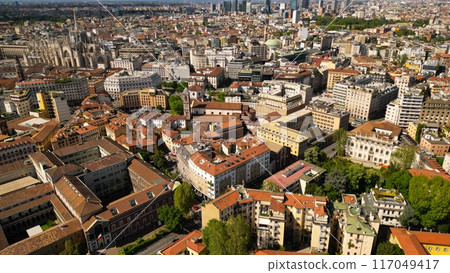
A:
[75,20]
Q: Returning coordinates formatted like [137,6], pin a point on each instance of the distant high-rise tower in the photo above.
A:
[234,6]
[320,3]
[293,4]
[305,4]
[347,3]
[267,6]
[249,6]
[334,5]
[226,6]
[243,6]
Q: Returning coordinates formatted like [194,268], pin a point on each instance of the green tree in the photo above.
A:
[336,179]
[215,237]
[387,248]
[403,59]
[184,198]
[329,191]
[239,234]
[232,237]
[315,155]
[373,177]
[430,200]
[356,178]
[340,137]
[408,218]
[176,105]
[158,159]
[403,157]
[159,108]
[171,216]
[270,186]
[399,180]
[221,96]
[71,249]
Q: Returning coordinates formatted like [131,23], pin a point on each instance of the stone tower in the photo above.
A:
[186,104]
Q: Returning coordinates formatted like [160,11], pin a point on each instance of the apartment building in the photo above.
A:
[363,98]
[133,212]
[296,177]
[133,62]
[436,145]
[212,172]
[54,105]
[277,219]
[282,97]
[151,97]
[327,118]
[435,111]
[420,242]
[235,66]
[126,80]
[16,170]
[337,75]
[169,71]
[405,109]
[404,82]
[445,165]
[64,138]
[17,149]
[75,89]
[105,173]
[48,242]
[144,175]
[374,142]
[21,101]
[44,135]
[286,131]
[388,203]
[356,227]
[257,49]
[89,132]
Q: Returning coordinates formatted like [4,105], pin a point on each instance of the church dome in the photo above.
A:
[273,43]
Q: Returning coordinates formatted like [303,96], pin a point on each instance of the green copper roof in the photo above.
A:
[273,42]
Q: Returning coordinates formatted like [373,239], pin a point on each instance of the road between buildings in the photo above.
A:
[160,244]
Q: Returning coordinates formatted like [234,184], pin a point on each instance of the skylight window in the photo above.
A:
[114,211]
[133,202]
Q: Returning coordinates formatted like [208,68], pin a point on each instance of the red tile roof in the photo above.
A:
[189,241]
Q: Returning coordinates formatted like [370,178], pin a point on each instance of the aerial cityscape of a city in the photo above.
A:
[288,127]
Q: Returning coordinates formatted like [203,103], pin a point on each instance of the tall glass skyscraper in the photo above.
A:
[305,4]
[293,4]
[267,6]
[234,5]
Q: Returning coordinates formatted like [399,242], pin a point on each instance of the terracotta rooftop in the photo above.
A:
[369,129]
[43,239]
[412,241]
[82,200]
[147,172]
[189,241]
[22,140]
